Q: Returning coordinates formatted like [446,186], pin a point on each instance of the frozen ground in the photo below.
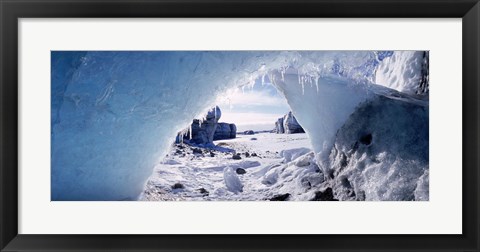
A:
[277,167]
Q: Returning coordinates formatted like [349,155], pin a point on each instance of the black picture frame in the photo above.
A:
[12,10]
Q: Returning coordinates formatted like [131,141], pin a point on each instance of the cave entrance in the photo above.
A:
[248,146]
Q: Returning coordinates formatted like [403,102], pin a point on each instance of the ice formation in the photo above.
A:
[381,152]
[115,114]
[232,181]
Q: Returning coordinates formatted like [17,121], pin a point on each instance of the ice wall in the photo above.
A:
[381,152]
[114,114]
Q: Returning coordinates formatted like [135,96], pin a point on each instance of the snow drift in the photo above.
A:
[114,114]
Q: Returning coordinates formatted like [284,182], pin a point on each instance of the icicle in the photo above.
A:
[190,131]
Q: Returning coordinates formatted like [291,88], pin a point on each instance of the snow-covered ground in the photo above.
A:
[277,167]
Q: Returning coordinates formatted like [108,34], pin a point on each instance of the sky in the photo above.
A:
[256,108]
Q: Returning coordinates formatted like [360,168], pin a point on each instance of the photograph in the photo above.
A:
[231,125]
[283,125]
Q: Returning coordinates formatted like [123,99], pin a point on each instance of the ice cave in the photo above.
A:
[365,113]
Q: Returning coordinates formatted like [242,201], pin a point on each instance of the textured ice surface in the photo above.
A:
[115,114]
[403,71]
[323,107]
[381,152]
[422,190]
[232,181]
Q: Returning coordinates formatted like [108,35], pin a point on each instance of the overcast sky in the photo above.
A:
[254,108]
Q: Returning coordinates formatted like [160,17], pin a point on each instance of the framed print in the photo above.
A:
[226,125]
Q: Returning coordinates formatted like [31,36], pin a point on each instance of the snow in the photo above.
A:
[272,171]
[115,114]
[292,154]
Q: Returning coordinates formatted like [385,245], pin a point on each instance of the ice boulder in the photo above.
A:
[232,182]
[378,136]
[381,152]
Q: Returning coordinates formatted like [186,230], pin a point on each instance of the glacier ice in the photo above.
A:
[381,152]
[115,114]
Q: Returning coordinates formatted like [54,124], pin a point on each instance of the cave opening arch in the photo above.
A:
[235,151]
